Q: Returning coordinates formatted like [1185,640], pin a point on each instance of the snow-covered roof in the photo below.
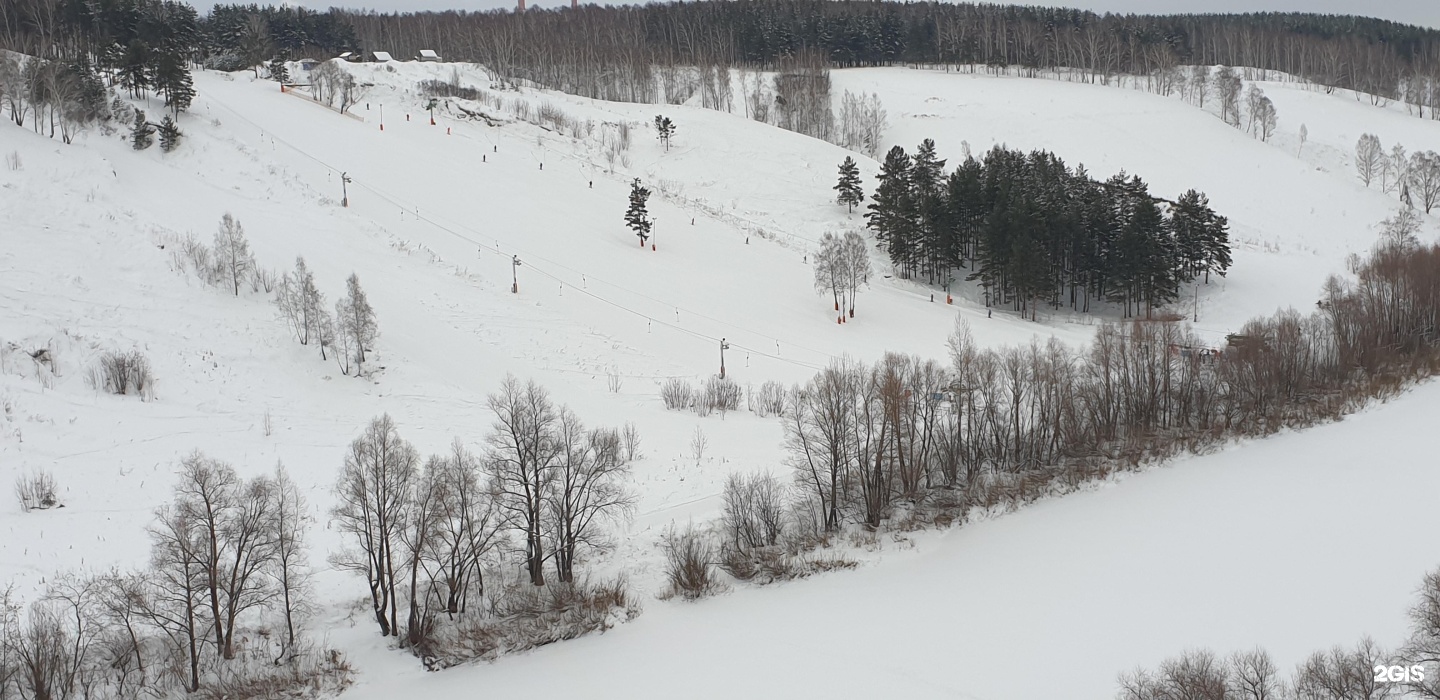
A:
[347,54]
[383,56]
[427,53]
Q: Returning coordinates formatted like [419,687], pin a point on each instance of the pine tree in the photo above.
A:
[926,176]
[172,79]
[134,68]
[1190,225]
[636,217]
[278,72]
[169,134]
[664,129]
[851,194]
[890,208]
[142,134]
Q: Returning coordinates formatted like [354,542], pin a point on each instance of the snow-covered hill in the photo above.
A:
[1048,600]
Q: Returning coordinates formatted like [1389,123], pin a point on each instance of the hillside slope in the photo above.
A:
[434,218]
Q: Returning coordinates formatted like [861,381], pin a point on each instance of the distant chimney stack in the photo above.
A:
[574,4]
[522,6]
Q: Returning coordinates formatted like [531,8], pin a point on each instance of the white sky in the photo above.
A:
[1422,12]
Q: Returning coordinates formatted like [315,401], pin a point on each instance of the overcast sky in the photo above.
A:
[1422,12]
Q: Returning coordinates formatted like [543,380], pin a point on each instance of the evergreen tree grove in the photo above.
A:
[1033,231]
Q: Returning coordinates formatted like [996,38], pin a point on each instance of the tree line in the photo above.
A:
[224,604]
[1414,179]
[909,439]
[588,45]
[1032,230]
[1364,671]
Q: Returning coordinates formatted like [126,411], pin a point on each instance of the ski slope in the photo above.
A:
[1012,608]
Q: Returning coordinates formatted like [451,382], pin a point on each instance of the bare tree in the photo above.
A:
[174,599]
[1423,647]
[1342,673]
[417,537]
[1227,89]
[236,545]
[830,270]
[468,528]
[521,460]
[1394,171]
[374,493]
[1254,676]
[355,322]
[1369,158]
[754,513]
[588,489]
[350,92]
[1424,178]
[289,520]
[855,257]
[232,252]
[820,437]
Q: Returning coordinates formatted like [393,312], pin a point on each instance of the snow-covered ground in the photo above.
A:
[1297,542]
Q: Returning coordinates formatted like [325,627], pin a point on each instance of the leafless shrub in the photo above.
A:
[721,395]
[37,490]
[553,116]
[630,438]
[769,400]
[190,255]
[309,675]
[522,109]
[698,444]
[12,160]
[613,381]
[754,511]
[762,565]
[523,616]
[677,394]
[262,279]
[689,564]
[124,373]
[450,88]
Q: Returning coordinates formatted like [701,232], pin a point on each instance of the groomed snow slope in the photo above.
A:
[81,270]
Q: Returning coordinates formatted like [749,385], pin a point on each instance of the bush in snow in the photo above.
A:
[124,373]
[690,564]
[720,394]
[677,394]
[37,491]
[523,616]
[769,400]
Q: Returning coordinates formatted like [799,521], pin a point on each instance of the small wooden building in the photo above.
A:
[429,55]
[308,64]
[382,56]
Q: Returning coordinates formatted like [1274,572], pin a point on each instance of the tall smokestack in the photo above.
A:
[522,6]
[574,4]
